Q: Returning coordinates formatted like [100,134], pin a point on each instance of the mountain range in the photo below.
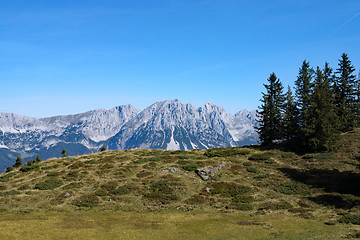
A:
[163,125]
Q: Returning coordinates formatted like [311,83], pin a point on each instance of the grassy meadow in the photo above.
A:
[156,194]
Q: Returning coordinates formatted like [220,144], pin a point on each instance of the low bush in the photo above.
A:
[53,174]
[49,184]
[161,191]
[228,189]
[92,161]
[6,177]
[9,193]
[28,168]
[71,175]
[110,186]
[90,200]
[288,155]
[122,190]
[280,205]
[225,152]
[190,167]
[195,200]
[317,156]
[260,157]
[142,160]
[243,207]
[293,188]
[262,176]
[242,199]
[154,159]
[143,174]
[73,185]
[352,218]
[252,169]
[24,187]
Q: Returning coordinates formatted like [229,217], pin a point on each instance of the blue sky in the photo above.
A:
[63,57]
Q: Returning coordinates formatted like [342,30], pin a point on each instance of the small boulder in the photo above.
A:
[208,172]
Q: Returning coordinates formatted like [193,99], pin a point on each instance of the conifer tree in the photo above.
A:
[63,152]
[303,91]
[357,100]
[291,114]
[18,162]
[322,112]
[345,93]
[270,113]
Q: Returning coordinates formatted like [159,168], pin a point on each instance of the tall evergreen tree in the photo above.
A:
[345,93]
[18,162]
[303,91]
[291,116]
[322,112]
[270,113]
[357,101]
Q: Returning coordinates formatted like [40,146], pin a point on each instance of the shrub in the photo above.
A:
[154,159]
[73,185]
[28,168]
[225,152]
[9,169]
[71,175]
[353,219]
[122,190]
[143,174]
[162,192]
[77,164]
[190,167]
[244,207]
[282,204]
[229,189]
[247,164]
[252,169]
[142,160]
[110,186]
[259,157]
[288,155]
[49,184]
[9,193]
[24,187]
[87,201]
[183,157]
[53,174]
[293,188]
[91,161]
[196,199]
[317,156]
[242,199]
[103,149]
[7,176]
[261,176]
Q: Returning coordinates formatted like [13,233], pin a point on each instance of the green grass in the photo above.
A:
[164,225]
[279,194]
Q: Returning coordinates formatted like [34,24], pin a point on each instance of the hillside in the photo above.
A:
[258,189]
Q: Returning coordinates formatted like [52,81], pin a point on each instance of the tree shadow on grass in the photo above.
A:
[343,188]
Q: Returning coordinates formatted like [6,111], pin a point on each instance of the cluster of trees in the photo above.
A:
[325,103]
[18,163]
